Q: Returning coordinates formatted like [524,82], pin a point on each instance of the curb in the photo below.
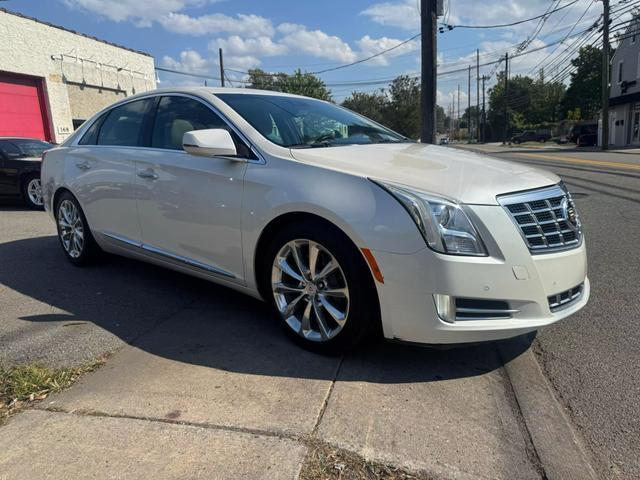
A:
[561,453]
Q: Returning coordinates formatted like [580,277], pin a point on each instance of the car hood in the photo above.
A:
[463,176]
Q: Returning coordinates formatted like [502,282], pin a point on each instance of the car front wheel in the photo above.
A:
[321,289]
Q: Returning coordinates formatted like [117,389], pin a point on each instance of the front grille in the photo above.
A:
[546,218]
[566,298]
[478,309]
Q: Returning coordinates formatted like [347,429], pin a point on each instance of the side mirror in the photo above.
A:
[209,143]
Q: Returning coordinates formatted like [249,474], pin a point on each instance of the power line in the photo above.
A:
[502,25]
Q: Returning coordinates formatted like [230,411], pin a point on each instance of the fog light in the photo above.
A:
[446,307]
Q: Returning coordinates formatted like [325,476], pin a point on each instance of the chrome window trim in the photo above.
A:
[260,160]
[164,253]
[535,195]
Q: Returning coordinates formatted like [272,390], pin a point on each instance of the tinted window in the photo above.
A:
[90,137]
[123,125]
[24,147]
[304,122]
[176,116]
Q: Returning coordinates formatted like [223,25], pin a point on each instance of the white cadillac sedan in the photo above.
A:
[344,226]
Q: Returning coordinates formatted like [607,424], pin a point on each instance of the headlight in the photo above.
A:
[443,224]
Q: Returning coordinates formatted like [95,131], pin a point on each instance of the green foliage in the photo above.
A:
[585,87]
[529,102]
[297,83]
[397,107]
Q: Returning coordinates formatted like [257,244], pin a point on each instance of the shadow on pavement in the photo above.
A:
[204,324]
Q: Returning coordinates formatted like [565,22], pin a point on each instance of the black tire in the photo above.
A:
[89,250]
[27,181]
[363,317]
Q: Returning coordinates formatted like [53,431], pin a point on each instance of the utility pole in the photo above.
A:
[484,114]
[605,77]
[221,68]
[458,116]
[506,98]
[469,107]
[478,95]
[428,14]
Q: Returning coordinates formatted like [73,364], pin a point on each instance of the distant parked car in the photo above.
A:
[444,141]
[20,160]
[587,140]
[580,129]
[531,136]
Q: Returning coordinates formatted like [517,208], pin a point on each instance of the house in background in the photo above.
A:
[624,97]
[52,79]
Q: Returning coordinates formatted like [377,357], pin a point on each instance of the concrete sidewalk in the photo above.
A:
[219,390]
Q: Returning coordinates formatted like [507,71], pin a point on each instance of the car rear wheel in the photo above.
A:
[320,288]
[32,191]
[75,237]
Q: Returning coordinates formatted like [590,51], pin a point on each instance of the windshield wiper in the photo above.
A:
[311,145]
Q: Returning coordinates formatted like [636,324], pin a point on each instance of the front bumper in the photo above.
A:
[510,274]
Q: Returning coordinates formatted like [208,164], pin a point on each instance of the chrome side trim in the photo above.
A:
[163,253]
[187,261]
[122,239]
[484,310]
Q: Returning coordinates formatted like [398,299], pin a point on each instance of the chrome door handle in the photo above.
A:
[148,174]
[83,165]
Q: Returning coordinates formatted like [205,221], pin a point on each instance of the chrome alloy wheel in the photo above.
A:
[310,290]
[34,190]
[71,228]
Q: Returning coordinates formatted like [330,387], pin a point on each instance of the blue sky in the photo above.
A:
[281,35]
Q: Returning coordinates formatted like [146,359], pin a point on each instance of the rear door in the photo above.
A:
[103,166]
[9,184]
[189,206]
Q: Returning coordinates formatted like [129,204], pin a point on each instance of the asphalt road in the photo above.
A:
[593,358]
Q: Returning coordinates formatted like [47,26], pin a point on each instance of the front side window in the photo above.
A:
[123,125]
[305,123]
[176,116]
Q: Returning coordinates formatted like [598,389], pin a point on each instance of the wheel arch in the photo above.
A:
[290,218]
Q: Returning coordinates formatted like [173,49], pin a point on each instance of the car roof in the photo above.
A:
[214,91]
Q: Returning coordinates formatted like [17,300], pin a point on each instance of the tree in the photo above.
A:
[371,105]
[584,89]
[403,110]
[441,119]
[297,83]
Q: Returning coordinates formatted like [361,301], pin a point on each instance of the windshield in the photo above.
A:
[30,148]
[306,123]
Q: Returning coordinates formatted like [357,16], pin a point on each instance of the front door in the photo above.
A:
[190,207]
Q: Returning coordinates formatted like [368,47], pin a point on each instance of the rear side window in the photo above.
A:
[176,116]
[123,125]
[90,137]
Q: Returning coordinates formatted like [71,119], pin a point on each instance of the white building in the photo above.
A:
[624,100]
[52,78]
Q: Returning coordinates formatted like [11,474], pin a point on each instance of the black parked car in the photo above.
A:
[20,160]
[531,136]
[580,129]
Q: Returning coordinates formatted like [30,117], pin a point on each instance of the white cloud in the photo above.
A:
[403,14]
[316,43]
[139,11]
[259,46]
[370,46]
[246,25]
[189,61]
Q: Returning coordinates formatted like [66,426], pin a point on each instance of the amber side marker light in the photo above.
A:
[377,273]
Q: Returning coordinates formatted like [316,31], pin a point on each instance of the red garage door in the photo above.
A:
[22,111]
